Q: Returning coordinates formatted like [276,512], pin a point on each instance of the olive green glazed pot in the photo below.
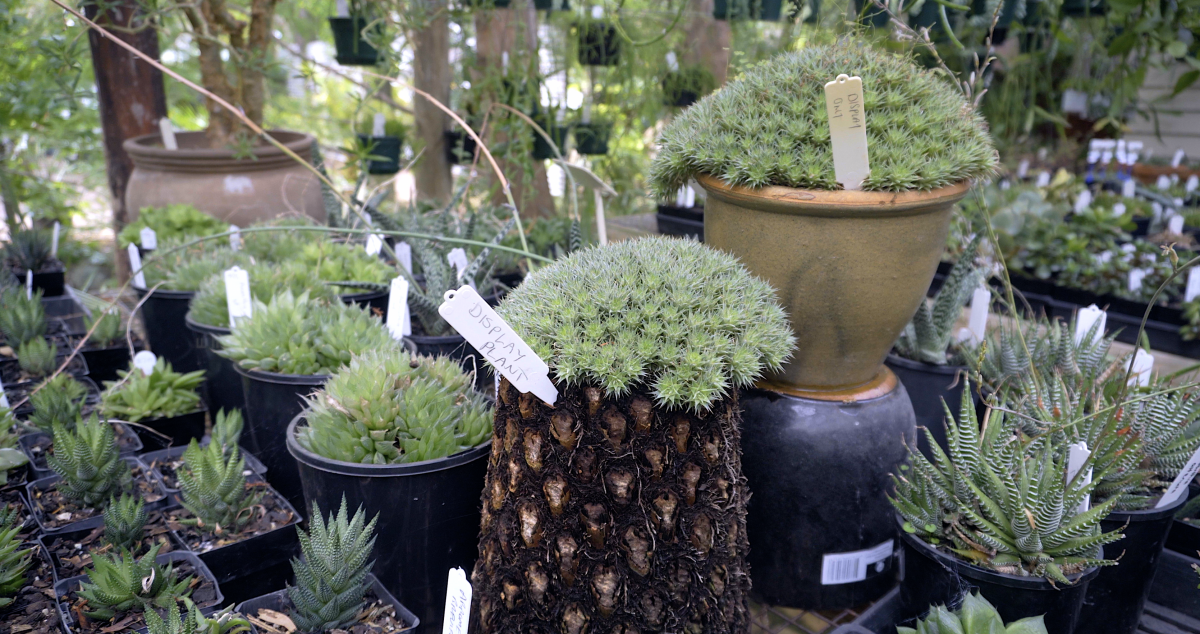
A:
[851,268]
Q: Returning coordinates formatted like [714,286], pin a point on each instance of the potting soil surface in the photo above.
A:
[269,514]
[57,511]
[32,610]
[11,373]
[203,593]
[72,556]
[376,617]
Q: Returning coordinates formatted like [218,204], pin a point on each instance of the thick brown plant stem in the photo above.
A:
[611,515]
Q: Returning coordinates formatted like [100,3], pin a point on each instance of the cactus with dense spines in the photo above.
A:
[929,336]
[210,306]
[14,562]
[161,394]
[30,250]
[389,407]
[213,488]
[23,318]
[60,402]
[227,429]
[37,357]
[770,126]
[331,573]
[124,522]
[976,616]
[119,582]
[223,622]
[89,463]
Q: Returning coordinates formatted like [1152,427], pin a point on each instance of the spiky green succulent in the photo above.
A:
[30,250]
[224,622]
[59,401]
[976,616]
[186,268]
[214,488]
[37,357]
[387,407]
[210,305]
[10,456]
[23,318]
[14,563]
[1042,347]
[89,463]
[163,393]
[109,328]
[227,429]
[1003,501]
[343,262]
[285,241]
[294,335]
[684,320]
[171,223]
[770,126]
[120,582]
[331,573]
[124,521]
[929,337]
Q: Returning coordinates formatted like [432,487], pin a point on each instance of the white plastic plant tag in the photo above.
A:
[343,9]
[148,238]
[378,125]
[1193,182]
[1122,156]
[237,294]
[1177,158]
[1156,209]
[398,320]
[689,196]
[1106,151]
[168,134]
[3,397]
[1128,188]
[458,603]
[404,255]
[1163,182]
[235,238]
[54,239]
[1023,168]
[848,131]
[1134,282]
[1118,209]
[1143,366]
[144,361]
[1175,224]
[1093,155]
[28,284]
[672,62]
[1193,285]
[1083,201]
[680,198]
[839,568]
[374,244]
[458,259]
[1086,318]
[1078,453]
[1074,101]
[1043,179]
[1179,486]
[135,265]
[981,301]
[466,311]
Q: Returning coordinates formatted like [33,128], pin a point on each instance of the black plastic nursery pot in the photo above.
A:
[207,605]
[50,280]
[1184,538]
[931,577]
[155,459]
[686,222]
[156,500]
[676,93]
[599,44]
[1116,597]
[11,373]
[222,384]
[163,315]
[429,512]
[69,310]
[460,147]
[103,363]
[591,139]
[375,302]
[272,401]
[457,348]
[279,602]
[384,152]
[542,151]
[17,391]
[352,49]
[927,386]
[171,431]
[765,10]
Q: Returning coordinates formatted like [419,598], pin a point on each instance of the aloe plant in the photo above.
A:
[929,337]
[108,328]
[124,521]
[89,463]
[163,393]
[15,561]
[214,489]
[227,429]
[30,250]
[37,357]
[331,572]
[174,222]
[120,582]
[60,401]
[223,622]
[23,318]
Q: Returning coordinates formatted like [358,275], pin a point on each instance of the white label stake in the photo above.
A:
[839,568]
[1128,188]
[1179,485]
[1193,182]
[1023,169]
[29,284]
[135,265]
[458,259]
[1078,453]
[1163,182]
[1177,158]
[404,255]
[1193,284]
[981,301]
[1135,279]
[374,244]
[237,294]
[54,240]
[148,238]
[848,131]
[145,361]
[1083,202]
[1143,365]
[168,134]
[235,238]
[1043,179]
[3,397]
[1084,320]
[398,320]
[458,603]
[466,311]
[1175,224]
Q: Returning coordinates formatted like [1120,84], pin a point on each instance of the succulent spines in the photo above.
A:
[88,463]
[213,488]
[332,569]
[119,582]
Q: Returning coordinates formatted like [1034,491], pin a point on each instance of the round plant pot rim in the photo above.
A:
[206,329]
[358,469]
[921,366]
[163,293]
[429,339]
[280,378]
[1147,515]
[53,268]
[354,297]
[834,203]
[980,573]
[147,153]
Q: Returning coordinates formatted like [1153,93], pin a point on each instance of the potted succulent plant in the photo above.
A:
[628,491]
[591,137]
[286,349]
[164,404]
[14,474]
[226,433]
[31,250]
[170,223]
[127,526]
[598,41]
[975,616]
[26,580]
[106,351]
[383,150]
[195,622]
[64,400]
[335,590]
[349,39]
[927,359]
[761,148]
[405,439]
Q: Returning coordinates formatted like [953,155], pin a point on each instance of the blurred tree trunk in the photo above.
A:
[513,30]
[432,73]
[130,95]
[708,40]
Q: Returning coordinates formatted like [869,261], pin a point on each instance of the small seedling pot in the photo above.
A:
[763,10]
[931,577]
[103,363]
[386,149]
[272,401]
[429,511]
[592,138]
[352,49]
[129,444]
[24,613]
[155,501]
[154,460]
[927,386]
[1116,597]
[222,384]
[179,430]
[460,147]
[50,280]
[163,315]
[278,601]
[66,588]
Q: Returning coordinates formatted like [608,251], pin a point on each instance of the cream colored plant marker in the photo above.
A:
[848,131]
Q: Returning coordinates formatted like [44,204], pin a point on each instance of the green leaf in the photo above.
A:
[1031,625]
[1185,81]
[978,616]
[1177,49]
[1123,43]
[11,459]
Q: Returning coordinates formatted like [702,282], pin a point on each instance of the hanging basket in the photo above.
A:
[352,48]
[762,10]
[599,43]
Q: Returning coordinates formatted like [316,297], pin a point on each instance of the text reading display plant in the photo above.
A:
[975,616]
[390,407]
[171,223]
[121,582]
[89,464]
[623,506]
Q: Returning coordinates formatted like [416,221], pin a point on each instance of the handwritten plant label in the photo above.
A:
[398,320]
[1143,366]
[1086,318]
[149,239]
[404,255]
[848,131]
[458,603]
[235,238]
[168,134]
[1077,455]
[54,239]
[466,311]
[237,294]
[1128,188]
[374,244]
[135,266]
[1043,179]
[144,361]
[1179,485]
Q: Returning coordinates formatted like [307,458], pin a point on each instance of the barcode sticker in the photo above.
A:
[839,568]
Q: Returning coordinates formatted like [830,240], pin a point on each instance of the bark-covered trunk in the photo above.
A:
[612,516]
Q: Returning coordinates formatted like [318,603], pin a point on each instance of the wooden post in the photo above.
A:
[130,94]
[707,40]
[431,73]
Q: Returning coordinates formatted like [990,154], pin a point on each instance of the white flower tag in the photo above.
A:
[458,603]
[237,294]
[848,131]
[398,321]
[135,265]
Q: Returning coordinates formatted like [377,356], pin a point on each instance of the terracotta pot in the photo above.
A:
[239,191]
[850,267]
[1149,174]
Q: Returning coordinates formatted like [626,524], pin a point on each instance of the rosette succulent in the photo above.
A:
[124,521]
[331,573]
[30,250]
[15,561]
[23,318]
[210,306]
[163,393]
[59,402]
[175,222]
[37,357]
[213,488]
[120,582]
[89,463]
